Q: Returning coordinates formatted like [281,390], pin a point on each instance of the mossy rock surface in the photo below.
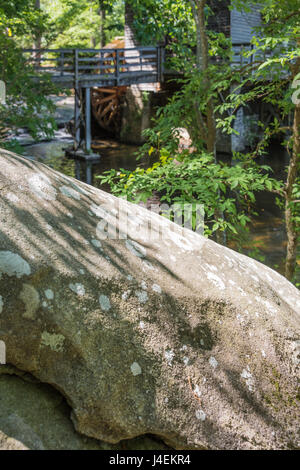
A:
[175,337]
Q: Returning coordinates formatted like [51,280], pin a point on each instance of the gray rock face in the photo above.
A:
[176,337]
[34,416]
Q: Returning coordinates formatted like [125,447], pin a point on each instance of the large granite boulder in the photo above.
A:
[175,336]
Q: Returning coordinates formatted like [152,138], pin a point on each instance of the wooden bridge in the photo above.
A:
[99,67]
[86,69]
[109,67]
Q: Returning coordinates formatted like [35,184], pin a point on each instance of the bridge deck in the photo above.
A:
[98,67]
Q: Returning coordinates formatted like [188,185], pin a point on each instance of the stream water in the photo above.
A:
[267,232]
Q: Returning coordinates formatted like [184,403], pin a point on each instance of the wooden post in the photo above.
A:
[100,62]
[77,116]
[77,102]
[62,63]
[77,169]
[162,62]
[117,71]
[141,60]
[158,64]
[252,57]
[88,119]
[76,65]
[89,173]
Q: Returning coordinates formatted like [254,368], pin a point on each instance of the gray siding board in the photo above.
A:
[130,39]
[242,24]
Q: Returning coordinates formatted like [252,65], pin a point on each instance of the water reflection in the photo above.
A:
[268,227]
[52,154]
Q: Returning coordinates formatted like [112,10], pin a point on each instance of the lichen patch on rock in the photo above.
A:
[135,369]
[77,288]
[13,265]
[31,299]
[70,192]
[104,303]
[53,341]
[41,186]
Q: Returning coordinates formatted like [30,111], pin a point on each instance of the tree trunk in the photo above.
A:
[291,229]
[102,25]
[38,37]
[203,65]
[198,34]
[207,128]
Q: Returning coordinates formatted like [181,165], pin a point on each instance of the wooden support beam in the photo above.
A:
[89,173]
[88,119]
[117,71]
[62,63]
[77,102]
[83,162]
[77,170]
[158,67]
[77,117]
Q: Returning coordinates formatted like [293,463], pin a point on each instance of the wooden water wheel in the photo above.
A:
[106,107]
[106,102]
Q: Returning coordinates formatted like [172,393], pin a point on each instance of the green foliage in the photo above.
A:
[216,91]
[197,179]
[165,20]
[274,80]
[224,189]
[22,18]
[76,23]
[27,103]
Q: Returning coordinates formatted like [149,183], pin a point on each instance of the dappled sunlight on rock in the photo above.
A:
[162,333]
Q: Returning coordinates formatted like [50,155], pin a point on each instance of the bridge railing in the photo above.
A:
[59,61]
[117,65]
